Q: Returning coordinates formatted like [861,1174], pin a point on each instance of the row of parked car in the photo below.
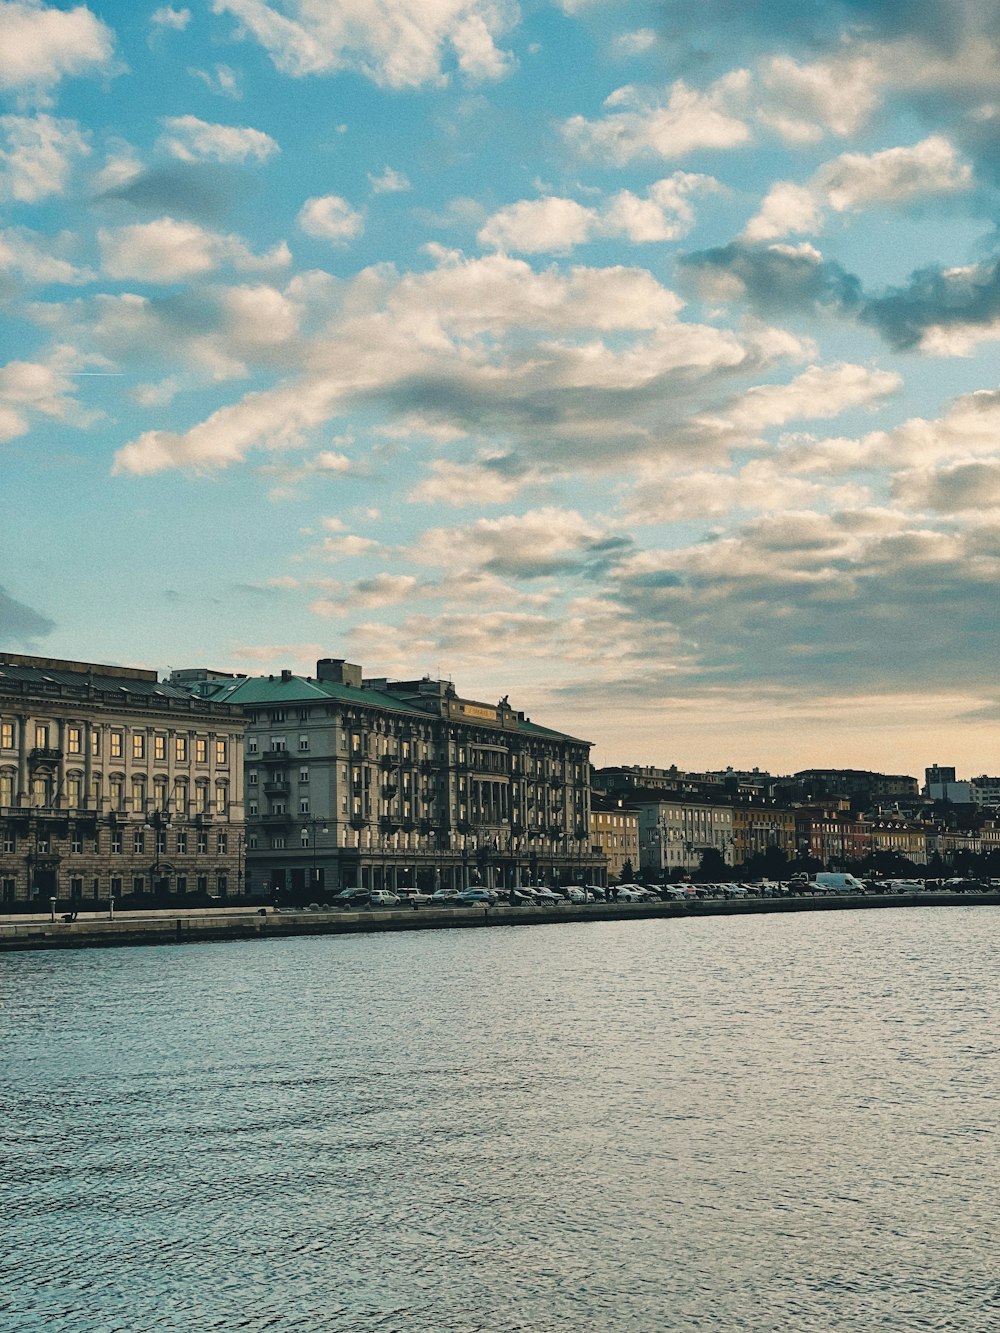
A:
[542,895]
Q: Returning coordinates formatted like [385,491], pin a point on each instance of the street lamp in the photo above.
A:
[314,822]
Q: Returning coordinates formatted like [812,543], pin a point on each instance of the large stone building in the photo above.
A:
[114,784]
[372,783]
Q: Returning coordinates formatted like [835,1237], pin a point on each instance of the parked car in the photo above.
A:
[475,897]
[382,898]
[576,893]
[412,896]
[546,898]
[597,893]
[351,898]
[444,895]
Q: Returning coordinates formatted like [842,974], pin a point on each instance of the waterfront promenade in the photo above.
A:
[97,930]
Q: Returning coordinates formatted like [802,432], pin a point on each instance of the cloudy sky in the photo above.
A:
[638,361]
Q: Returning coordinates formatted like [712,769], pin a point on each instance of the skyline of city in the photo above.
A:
[636,362]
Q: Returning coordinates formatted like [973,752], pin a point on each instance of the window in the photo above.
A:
[202,844]
[180,749]
[252,777]
[6,738]
[303,775]
[160,793]
[138,884]
[117,744]
[138,745]
[138,796]
[252,745]
[278,843]
[9,844]
[277,715]
[9,890]
[252,842]
[116,841]
[181,798]
[76,841]
[74,739]
[203,884]
[252,808]
[201,750]
[41,737]
[222,843]
[221,798]
[43,844]
[220,752]
[277,744]
[116,886]
[201,798]
[161,843]
[74,788]
[303,742]
[182,842]
[138,842]
[221,885]
[304,806]
[182,884]
[160,748]
[95,743]
[7,789]
[304,837]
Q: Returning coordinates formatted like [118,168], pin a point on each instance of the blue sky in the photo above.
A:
[638,361]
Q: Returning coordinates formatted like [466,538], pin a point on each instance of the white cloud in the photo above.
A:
[819,393]
[635,43]
[331,218]
[598,354]
[536,225]
[30,256]
[175,20]
[786,208]
[38,156]
[170,250]
[760,486]
[802,101]
[553,225]
[40,46]
[399,43]
[389,182]
[29,388]
[639,124]
[222,80]
[461,484]
[894,176]
[853,182]
[193,140]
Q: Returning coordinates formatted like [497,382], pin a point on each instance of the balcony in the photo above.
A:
[276,787]
[44,754]
[389,823]
[387,763]
[274,757]
[359,821]
[276,819]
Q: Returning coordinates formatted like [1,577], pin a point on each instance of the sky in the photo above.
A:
[636,361]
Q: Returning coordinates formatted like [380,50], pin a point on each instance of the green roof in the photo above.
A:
[267,691]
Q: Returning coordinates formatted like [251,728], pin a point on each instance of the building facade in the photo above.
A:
[614,834]
[676,831]
[371,783]
[114,784]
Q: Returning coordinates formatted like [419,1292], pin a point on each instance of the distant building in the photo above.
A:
[614,832]
[373,783]
[762,826]
[859,785]
[114,784]
[832,833]
[677,830]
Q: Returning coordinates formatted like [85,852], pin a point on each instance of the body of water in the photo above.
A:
[776,1123]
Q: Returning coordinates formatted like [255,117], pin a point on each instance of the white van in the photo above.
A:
[831,882]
